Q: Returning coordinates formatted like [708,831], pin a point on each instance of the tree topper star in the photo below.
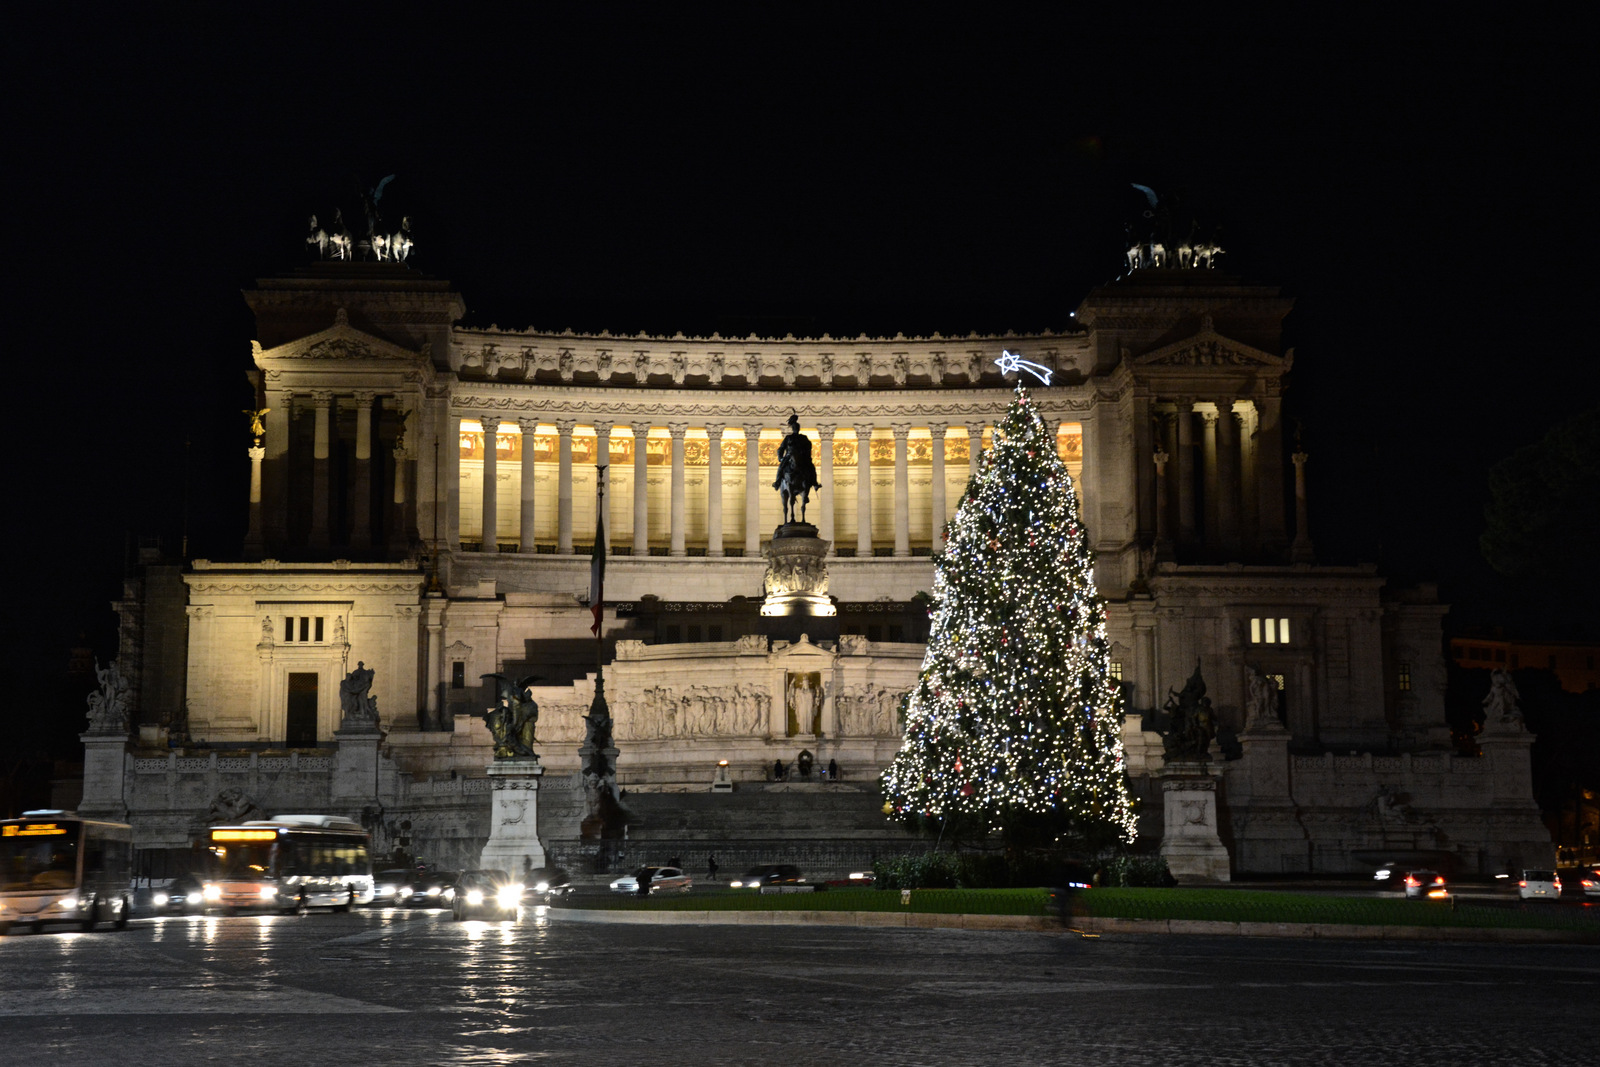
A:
[1010,361]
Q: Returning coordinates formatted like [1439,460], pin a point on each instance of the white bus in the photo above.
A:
[58,868]
[287,863]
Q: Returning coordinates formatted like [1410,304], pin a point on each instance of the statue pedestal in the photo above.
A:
[514,817]
[796,586]
[1189,844]
[105,768]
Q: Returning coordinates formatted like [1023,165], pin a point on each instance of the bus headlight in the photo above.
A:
[212,892]
[268,892]
[68,903]
[509,896]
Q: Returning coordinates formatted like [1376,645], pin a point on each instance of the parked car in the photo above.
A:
[485,894]
[1539,885]
[429,889]
[661,879]
[771,874]
[543,883]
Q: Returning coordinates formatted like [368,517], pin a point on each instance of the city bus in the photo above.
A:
[287,863]
[56,867]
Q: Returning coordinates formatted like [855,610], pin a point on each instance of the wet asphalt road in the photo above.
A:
[397,988]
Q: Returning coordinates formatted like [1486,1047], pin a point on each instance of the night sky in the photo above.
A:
[1423,192]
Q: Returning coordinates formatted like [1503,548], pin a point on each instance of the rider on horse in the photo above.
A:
[797,475]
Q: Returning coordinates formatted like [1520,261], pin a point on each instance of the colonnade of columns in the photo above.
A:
[270,497]
[1218,477]
[754,485]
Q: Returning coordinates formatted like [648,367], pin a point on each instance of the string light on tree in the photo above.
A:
[1012,725]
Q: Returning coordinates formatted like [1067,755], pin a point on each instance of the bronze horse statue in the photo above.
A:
[797,475]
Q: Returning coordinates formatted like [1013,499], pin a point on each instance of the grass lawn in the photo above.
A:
[1222,905]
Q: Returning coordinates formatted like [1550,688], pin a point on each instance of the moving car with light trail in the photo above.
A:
[485,894]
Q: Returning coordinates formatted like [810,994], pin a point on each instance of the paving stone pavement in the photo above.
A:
[398,988]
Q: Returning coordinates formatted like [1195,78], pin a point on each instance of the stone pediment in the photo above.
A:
[1208,348]
[341,342]
[803,649]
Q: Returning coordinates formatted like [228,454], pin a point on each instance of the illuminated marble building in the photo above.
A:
[422,499]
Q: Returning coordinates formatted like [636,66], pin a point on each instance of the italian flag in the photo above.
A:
[597,564]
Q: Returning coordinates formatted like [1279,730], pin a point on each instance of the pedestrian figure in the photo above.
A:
[711,866]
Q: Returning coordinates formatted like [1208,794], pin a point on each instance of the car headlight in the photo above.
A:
[159,900]
[433,890]
[212,892]
[542,887]
[509,896]
[68,903]
[399,891]
[474,897]
[735,885]
[268,892]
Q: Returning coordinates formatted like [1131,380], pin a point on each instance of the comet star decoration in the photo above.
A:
[1013,724]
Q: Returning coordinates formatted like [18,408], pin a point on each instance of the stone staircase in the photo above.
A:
[828,829]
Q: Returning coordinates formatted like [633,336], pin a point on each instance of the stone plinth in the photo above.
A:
[1190,845]
[796,586]
[514,816]
[797,573]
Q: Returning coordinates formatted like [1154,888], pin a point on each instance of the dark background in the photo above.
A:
[1424,192]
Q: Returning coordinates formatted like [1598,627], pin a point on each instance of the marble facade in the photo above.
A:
[423,500]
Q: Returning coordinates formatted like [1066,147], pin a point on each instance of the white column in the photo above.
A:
[435,625]
[490,536]
[1301,550]
[322,400]
[1185,457]
[450,445]
[902,490]
[714,492]
[602,452]
[564,487]
[936,431]
[641,489]
[525,518]
[863,490]
[825,504]
[974,447]
[252,537]
[1228,482]
[677,430]
[361,489]
[1210,516]
[752,489]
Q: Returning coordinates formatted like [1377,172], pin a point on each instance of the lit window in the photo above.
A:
[1269,631]
[1116,669]
[1277,680]
[1403,672]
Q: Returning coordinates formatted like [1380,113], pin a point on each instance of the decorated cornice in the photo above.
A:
[219,586]
[471,399]
[756,362]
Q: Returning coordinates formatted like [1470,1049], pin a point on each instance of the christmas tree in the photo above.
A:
[1013,723]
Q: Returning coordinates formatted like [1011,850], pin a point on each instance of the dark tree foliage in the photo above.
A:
[1543,518]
